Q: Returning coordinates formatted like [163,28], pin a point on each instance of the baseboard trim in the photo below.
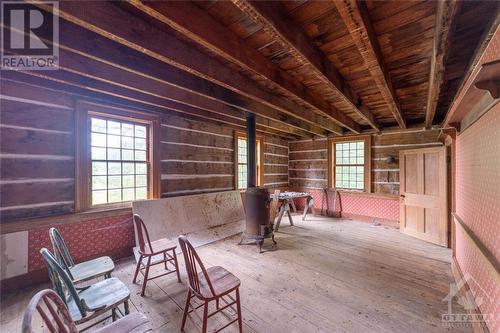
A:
[466,291]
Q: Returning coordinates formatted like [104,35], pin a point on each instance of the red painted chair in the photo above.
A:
[57,319]
[208,285]
[161,251]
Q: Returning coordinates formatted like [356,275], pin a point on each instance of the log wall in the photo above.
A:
[37,154]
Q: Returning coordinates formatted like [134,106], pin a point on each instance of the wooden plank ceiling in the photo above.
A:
[305,68]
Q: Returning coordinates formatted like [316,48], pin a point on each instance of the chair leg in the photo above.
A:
[238,307]
[186,309]
[137,269]
[165,259]
[113,314]
[127,309]
[205,317]
[176,263]
[146,273]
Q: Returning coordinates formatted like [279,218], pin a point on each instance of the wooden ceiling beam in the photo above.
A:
[445,13]
[115,23]
[270,15]
[355,16]
[211,34]
[83,87]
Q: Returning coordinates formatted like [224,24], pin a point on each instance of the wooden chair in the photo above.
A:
[161,251]
[57,319]
[102,266]
[88,302]
[209,285]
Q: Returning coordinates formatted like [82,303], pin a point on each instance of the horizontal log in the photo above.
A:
[41,210]
[169,151]
[275,140]
[39,96]
[405,138]
[308,145]
[37,116]
[269,179]
[14,168]
[306,155]
[307,183]
[315,174]
[196,168]
[21,141]
[206,139]
[308,164]
[386,188]
[174,185]
[272,159]
[385,176]
[19,194]
[275,168]
[279,150]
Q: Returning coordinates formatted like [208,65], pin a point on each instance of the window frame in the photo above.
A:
[259,154]
[83,180]
[367,159]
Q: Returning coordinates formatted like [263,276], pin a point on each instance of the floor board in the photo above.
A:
[327,275]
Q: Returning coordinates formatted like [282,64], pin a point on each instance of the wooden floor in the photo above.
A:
[327,276]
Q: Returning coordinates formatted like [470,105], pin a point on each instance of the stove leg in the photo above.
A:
[260,242]
[274,240]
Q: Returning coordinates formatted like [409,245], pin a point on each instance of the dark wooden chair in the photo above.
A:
[208,285]
[57,319]
[102,266]
[89,302]
[161,251]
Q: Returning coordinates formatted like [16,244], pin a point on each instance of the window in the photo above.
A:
[117,160]
[350,161]
[120,163]
[242,163]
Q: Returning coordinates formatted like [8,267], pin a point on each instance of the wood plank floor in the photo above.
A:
[328,275]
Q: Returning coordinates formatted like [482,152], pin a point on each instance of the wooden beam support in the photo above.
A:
[270,15]
[214,36]
[111,21]
[445,13]
[355,16]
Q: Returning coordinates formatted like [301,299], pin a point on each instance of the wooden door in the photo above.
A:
[423,189]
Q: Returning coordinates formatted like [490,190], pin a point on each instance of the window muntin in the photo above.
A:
[350,165]
[242,163]
[119,161]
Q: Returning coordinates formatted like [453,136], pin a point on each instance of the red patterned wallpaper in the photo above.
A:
[381,208]
[112,236]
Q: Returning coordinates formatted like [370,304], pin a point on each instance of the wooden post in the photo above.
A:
[251,151]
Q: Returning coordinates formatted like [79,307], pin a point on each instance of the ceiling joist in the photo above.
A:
[270,15]
[445,13]
[212,35]
[114,23]
[357,21]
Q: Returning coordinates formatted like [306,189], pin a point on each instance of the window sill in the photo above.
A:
[367,194]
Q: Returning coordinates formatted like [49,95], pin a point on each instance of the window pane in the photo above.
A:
[98,139]
[114,127]
[99,182]
[99,197]
[140,131]
[128,168]
[114,195]
[128,194]
[141,168]
[141,180]
[140,144]
[114,168]
[141,193]
[128,181]
[113,154]
[99,168]
[127,155]
[114,141]
[128,129]
[98,125]
[127,142]
[98,153]
[114,182]
[140,155]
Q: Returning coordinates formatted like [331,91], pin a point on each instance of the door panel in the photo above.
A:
[423,206]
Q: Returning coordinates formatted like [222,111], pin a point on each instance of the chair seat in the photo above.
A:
[159,246]
[222,280]
[101,295]
[93,268]
[132,323]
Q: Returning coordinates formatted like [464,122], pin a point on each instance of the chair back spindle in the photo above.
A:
[193,266]
[61,250]
[142,234]
[53,312]
[61,281]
